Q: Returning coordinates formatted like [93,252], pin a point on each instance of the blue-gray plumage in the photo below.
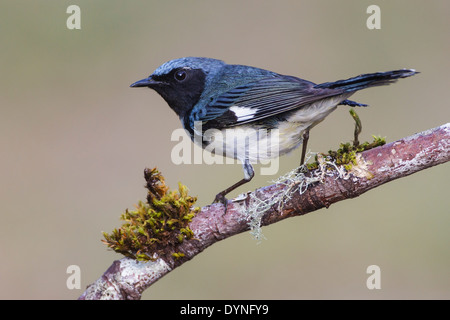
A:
[236,109]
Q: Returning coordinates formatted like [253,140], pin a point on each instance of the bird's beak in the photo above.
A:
[147,82]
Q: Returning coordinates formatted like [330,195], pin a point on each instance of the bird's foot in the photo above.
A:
[220,198]
[303,168]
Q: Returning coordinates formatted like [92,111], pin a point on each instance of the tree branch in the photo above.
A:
[127,278]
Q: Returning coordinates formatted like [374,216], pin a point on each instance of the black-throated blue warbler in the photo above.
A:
[243,108]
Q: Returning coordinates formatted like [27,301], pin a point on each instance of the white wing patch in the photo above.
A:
[243,113]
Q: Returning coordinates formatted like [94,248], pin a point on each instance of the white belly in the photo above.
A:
[244,142]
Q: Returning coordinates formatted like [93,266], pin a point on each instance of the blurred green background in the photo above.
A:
[75,140]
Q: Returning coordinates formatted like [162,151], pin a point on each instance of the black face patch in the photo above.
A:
[181,88]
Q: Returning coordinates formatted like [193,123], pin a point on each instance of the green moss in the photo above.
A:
[178,255]
[158,225]
[346,154]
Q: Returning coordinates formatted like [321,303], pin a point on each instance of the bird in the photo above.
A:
[235,109]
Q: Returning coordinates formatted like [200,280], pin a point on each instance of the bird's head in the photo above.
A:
[181,82]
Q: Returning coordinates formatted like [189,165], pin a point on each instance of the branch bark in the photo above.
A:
[127,278]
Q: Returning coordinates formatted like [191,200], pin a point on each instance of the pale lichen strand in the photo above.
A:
[295,181]
[155,228]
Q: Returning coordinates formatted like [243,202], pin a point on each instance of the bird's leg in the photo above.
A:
[304,145]
[249,173]
[220,197]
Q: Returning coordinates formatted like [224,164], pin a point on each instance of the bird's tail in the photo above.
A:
[368,80]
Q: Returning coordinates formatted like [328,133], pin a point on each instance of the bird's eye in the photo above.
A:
[180,75]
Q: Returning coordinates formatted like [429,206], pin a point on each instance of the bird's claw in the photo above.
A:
[220,198]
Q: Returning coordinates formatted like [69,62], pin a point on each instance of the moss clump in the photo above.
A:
[157,226]
[346,154]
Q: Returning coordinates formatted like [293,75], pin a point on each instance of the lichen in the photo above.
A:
[155,228]
[297,180]
[342,163]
